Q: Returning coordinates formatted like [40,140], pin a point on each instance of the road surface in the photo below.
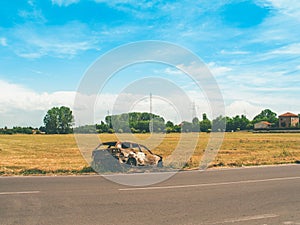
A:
[259,195]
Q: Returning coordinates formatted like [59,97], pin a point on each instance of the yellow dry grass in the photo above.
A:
[44,152]
[60,153]
[259,149]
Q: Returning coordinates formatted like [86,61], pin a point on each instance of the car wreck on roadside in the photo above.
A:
[118,156]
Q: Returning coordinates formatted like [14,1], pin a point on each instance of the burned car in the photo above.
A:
[116,156]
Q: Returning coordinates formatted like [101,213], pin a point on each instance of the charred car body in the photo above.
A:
[116,156]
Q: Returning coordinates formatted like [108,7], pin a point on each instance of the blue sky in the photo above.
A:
[252,47]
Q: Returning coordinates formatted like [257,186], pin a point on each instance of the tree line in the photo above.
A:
[60,120]
[19,130]
[136,122]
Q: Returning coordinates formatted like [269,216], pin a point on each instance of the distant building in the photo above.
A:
[262,125]
[288,120]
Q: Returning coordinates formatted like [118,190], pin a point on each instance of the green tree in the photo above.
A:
[65,120]
[59,120]
[51,121]
[170,127]
[186,126]
[238,123]
[135,122]
[195,125]
[102,127]
[205,124]
[108,121]
[266,115]
[219,123]
[195,121]
[158,124]
[170,124]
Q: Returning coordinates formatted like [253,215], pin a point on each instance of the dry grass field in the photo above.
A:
[59,154]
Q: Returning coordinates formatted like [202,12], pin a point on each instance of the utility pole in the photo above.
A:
[151,117]
[193,110]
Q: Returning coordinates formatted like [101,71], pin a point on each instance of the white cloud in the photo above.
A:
[291,49]
[132,3]
[30,55]
[30,2]
[3,41]
[218,70]
[290,7]
[128,102]
[195,69]
[34,15]
[170,71]
[57,41]
[14,96]
[243,108]
[281,27]
[137,8]
[225,52]
[20,106]
[64,2]
[15,99]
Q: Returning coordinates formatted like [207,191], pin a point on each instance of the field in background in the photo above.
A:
[55,154]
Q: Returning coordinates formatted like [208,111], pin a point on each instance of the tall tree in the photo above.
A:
[266,115]
[205,124]
[237,123]
[65,120]
[51,121]
[59,120]
[170,127]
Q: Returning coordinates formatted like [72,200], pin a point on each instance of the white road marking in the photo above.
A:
[19,192]
[217,169]
[290,223]
[247,218]
[209,184]
[257,217]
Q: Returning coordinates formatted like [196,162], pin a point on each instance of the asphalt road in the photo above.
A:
[260,195]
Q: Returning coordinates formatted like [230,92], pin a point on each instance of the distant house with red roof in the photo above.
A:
[262,125]
[288,120]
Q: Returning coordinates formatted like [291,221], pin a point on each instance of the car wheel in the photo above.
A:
[160,163]
[131,162]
